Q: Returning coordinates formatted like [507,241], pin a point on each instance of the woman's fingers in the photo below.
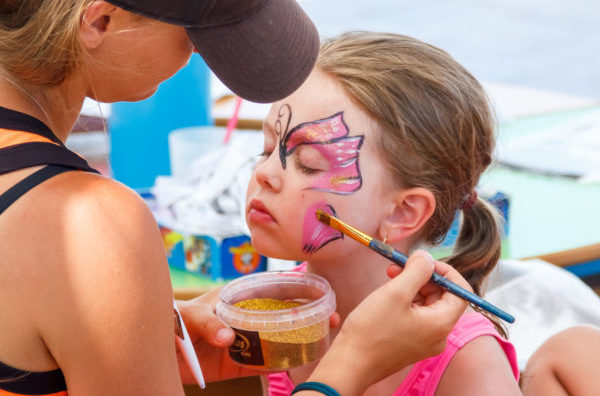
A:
[415,275]
[334,320]
[202,323]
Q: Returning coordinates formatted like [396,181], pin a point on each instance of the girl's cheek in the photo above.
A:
[315,234]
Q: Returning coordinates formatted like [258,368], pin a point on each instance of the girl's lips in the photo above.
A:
[259,213]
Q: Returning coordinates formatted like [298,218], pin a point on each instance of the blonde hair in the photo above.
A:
[437,133]
[39,42]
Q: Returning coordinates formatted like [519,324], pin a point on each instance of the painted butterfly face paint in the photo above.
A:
[330,137]
[315,234]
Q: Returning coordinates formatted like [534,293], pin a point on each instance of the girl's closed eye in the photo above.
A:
[265,153]
[268,147]
[309,160]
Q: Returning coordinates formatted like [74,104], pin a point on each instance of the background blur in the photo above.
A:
[545,44]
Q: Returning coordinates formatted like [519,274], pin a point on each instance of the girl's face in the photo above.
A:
[135,56]
[319,153]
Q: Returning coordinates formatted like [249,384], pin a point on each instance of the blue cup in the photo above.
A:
[138,132]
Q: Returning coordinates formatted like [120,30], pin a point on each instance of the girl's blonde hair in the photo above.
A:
[437,133]
[39,42]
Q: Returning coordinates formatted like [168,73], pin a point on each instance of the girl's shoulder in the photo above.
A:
[474,349]
[479,358]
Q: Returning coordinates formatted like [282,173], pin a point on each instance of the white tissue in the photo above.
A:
[210,198]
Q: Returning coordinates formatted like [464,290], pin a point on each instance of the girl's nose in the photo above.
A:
[269,173]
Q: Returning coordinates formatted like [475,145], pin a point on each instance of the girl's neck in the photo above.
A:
[353,276]
[57,106]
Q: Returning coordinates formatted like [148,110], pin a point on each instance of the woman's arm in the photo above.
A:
[404,321]
[108,315]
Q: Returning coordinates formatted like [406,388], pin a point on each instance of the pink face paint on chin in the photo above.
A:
[315,234]
[330,137]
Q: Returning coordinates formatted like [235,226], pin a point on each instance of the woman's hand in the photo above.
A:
[404,321]
[210,337]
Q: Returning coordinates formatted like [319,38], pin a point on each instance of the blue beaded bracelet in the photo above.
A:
[316,386]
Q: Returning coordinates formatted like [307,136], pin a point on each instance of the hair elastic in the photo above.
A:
[316,386]
[469,200]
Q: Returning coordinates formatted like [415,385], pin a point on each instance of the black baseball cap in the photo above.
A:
[261,49]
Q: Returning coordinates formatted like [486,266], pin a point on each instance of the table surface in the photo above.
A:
[547,213]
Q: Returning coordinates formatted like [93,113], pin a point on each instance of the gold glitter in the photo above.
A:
[266,304]
[290,348]
[337,180]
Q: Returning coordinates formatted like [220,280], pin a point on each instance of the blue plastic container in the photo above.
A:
[138,131]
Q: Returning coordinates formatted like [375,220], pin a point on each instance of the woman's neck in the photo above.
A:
[57,106]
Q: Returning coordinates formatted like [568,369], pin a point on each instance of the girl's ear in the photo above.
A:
[94,23]
[408,213]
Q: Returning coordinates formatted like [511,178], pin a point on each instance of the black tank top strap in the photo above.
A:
[16,191]
[25,141]
[39,153]
[31,383]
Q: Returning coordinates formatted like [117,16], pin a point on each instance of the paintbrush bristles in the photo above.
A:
[323,217]
[344,228]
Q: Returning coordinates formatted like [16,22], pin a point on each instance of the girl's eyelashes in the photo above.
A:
[266,153]
[310,160]
[303,168]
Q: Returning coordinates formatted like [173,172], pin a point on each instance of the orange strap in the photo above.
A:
[12,138]
[7,393]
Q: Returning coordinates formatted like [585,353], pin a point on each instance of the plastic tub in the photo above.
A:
[188,144]
[277,339]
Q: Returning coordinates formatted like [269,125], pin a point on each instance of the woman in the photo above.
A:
[84,285]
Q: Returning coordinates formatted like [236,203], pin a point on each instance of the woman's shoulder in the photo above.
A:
[83,204]
[95,230]
[99,219]
[89,254]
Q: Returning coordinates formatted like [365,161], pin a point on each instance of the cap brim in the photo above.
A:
[266,56]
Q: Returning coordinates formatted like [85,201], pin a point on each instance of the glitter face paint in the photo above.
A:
[330,137]
[315,234]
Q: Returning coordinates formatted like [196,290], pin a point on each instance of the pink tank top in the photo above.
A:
[425,375]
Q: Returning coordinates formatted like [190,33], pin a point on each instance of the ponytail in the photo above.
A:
[477,248]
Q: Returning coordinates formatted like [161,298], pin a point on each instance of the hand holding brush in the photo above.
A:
[400,259]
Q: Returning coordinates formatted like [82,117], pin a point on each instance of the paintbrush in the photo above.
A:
[400,259]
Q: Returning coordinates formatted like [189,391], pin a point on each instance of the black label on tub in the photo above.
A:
[246,348]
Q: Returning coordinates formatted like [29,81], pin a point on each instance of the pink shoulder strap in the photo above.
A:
[425,375]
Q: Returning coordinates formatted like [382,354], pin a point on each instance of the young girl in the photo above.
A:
[391,135]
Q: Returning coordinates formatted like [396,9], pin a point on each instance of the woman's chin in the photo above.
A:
[130,97]
[142,96]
